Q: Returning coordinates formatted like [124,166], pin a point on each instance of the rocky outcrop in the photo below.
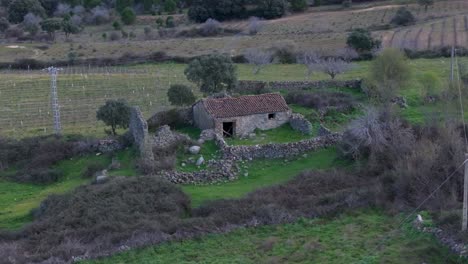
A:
[299,123]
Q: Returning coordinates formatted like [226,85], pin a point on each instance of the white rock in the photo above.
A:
[101,178]
[200,161]
[194,150]
[246,174]
[183,164]
[201,141]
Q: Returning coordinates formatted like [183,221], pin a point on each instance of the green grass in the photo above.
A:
[209,150]
[282,134]
[17,199]
[261,173]
[348,238]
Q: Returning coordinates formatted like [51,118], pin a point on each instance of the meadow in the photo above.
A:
[25,95]
[359,237]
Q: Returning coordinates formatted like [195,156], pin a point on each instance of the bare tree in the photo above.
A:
[62,10]
[347,54]
[255,25]
[258,58]
[31,23]
[211,27]
[311,60]
[334,66]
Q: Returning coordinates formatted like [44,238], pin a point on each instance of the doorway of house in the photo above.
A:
[228,129]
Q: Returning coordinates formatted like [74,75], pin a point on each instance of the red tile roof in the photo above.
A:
[245,105]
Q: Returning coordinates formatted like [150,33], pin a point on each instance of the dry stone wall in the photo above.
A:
[253,87]
[276,151]
[299,123]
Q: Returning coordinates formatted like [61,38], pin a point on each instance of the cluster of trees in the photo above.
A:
[201,10]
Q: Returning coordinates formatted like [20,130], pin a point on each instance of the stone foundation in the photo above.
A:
[299,123]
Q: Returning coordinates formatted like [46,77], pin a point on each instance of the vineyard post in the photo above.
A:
[54,97]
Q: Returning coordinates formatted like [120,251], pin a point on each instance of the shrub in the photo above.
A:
[390,71]
[212,73]
[115,113]
[347,3]
[170,23]
[170,6]
[211,27]
[19,8]
[255,25]
[202,10]
[14,32]
[99,15]
[173,118]
[270,9]
[31,23]
[4,25]
[114,36]
[362,41]
[120,5]
[128,16]
[285,51]
[38,176]
[299,5]
[180,95]
[403,17]
[116,25]
[92,169]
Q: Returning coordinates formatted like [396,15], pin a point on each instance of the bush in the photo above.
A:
[128,16]
[299,5]
[403,17]
[390,71]
[4,25]
[38,176]
[115,113]
[362,41]
[92,169]
[114,36]
[202,10]
[180,95]
[170,23]
[270,9]
[19,8]
[211,28]
[285,52]
[173,118]
[170,6]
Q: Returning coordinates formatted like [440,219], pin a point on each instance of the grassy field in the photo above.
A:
[319,28]
[348,238]
[262,173]
[25,107]
[18,199]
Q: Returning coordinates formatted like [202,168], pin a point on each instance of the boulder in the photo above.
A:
[194,150]
[200,161]
[101,178]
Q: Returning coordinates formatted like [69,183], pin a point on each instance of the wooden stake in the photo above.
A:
[465,196]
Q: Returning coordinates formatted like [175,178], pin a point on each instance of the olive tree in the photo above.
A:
[390,71]
[212,73]
[115,113]
[50,26]
[362,41]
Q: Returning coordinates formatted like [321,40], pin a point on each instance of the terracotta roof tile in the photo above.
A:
[245,105]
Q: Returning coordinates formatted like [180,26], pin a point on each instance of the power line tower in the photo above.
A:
[54,99]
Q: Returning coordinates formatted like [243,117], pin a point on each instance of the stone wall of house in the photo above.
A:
[244,125]
[276,151]
[253,87]
[299,123]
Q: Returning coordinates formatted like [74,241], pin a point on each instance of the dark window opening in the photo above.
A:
[271,116]
[228,129]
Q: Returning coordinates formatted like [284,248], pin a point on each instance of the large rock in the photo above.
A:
[194,150]
[200,161]
[208,134]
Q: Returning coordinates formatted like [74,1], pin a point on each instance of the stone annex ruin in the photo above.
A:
[240,116]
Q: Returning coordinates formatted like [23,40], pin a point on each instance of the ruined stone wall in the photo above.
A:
[139,132]
[253,87]
[299,123]
[276,151]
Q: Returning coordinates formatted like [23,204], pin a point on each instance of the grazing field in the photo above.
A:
[25,95]
[349,238]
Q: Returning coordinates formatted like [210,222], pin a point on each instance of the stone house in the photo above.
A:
[240,116]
